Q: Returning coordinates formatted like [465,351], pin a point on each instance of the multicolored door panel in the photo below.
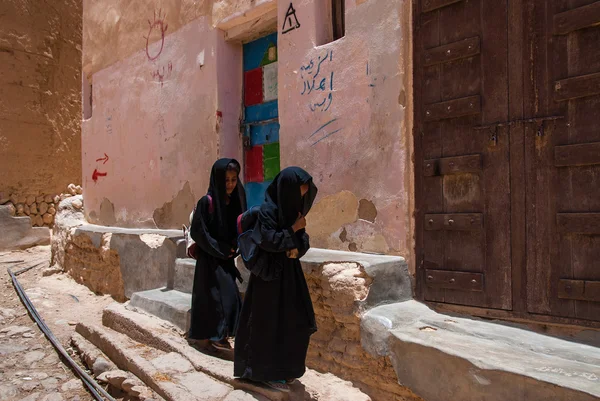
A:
[261,117]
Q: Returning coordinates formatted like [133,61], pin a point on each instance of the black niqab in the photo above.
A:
[277,316]
[283,199]
[216,301]
[218,192]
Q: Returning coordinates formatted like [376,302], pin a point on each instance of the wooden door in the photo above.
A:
[562,158]
[463,182]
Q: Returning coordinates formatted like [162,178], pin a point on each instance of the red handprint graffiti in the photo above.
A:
[157,24]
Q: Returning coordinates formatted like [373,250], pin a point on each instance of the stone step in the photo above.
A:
[161,335]
[475,359]
[168,373]
[170,305]
[183,278]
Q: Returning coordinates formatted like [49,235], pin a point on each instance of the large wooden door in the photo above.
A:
[507,154]
[563,158]
[463,196]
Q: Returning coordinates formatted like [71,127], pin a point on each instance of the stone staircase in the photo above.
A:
[401,350]
[171,303]
[156,352]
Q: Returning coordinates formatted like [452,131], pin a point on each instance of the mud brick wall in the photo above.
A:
[337,290]
[98,268]
[40,104]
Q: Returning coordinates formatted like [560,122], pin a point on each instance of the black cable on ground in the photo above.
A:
[23,270]
[90,383]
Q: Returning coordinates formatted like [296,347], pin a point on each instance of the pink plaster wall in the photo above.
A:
[230,79]
[157,122]
[358,147]
[368,152]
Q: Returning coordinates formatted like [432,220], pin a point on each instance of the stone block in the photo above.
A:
[473,359]
[170,305]
[18,233]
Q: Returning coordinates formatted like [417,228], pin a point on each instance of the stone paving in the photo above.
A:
[30,369]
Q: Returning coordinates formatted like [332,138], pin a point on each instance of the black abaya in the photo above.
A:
[277,317]
[216,301]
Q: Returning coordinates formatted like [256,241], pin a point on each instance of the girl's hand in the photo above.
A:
[292,253]
[300,223]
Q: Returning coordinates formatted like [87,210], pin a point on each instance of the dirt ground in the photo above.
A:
[30,368]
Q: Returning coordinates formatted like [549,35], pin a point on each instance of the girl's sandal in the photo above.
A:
[222,345]
[278,385]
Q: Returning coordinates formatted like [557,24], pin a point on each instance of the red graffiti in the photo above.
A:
[219,114]
[105,159]
[156,24]
[97,174]
[160,77]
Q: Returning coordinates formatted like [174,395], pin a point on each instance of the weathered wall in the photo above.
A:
[166,102]
[155,119]
[40,96]
[344,117]
[165,108]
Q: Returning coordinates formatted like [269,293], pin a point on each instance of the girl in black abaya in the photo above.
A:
[216,301]
[277,317]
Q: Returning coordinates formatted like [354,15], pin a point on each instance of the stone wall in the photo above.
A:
[113,261]
[338,291]
[41,208]
[40,98]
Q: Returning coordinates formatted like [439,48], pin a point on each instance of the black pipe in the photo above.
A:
[90,383]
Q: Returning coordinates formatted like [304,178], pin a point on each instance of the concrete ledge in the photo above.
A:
[391,280]
[143,259]
[441,357]
[174,235]
[18,233]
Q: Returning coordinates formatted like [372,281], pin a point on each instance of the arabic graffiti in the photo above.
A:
[165,73]
[317,79]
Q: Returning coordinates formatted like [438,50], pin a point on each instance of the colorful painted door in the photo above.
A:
[261,117]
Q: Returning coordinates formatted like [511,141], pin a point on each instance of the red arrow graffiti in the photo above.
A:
[105,158]
[97,174]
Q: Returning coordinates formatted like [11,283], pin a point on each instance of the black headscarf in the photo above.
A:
[218,192]
[283,199]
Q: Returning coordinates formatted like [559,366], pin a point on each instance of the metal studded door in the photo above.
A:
[562,158]
[462,165]
[261,123]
